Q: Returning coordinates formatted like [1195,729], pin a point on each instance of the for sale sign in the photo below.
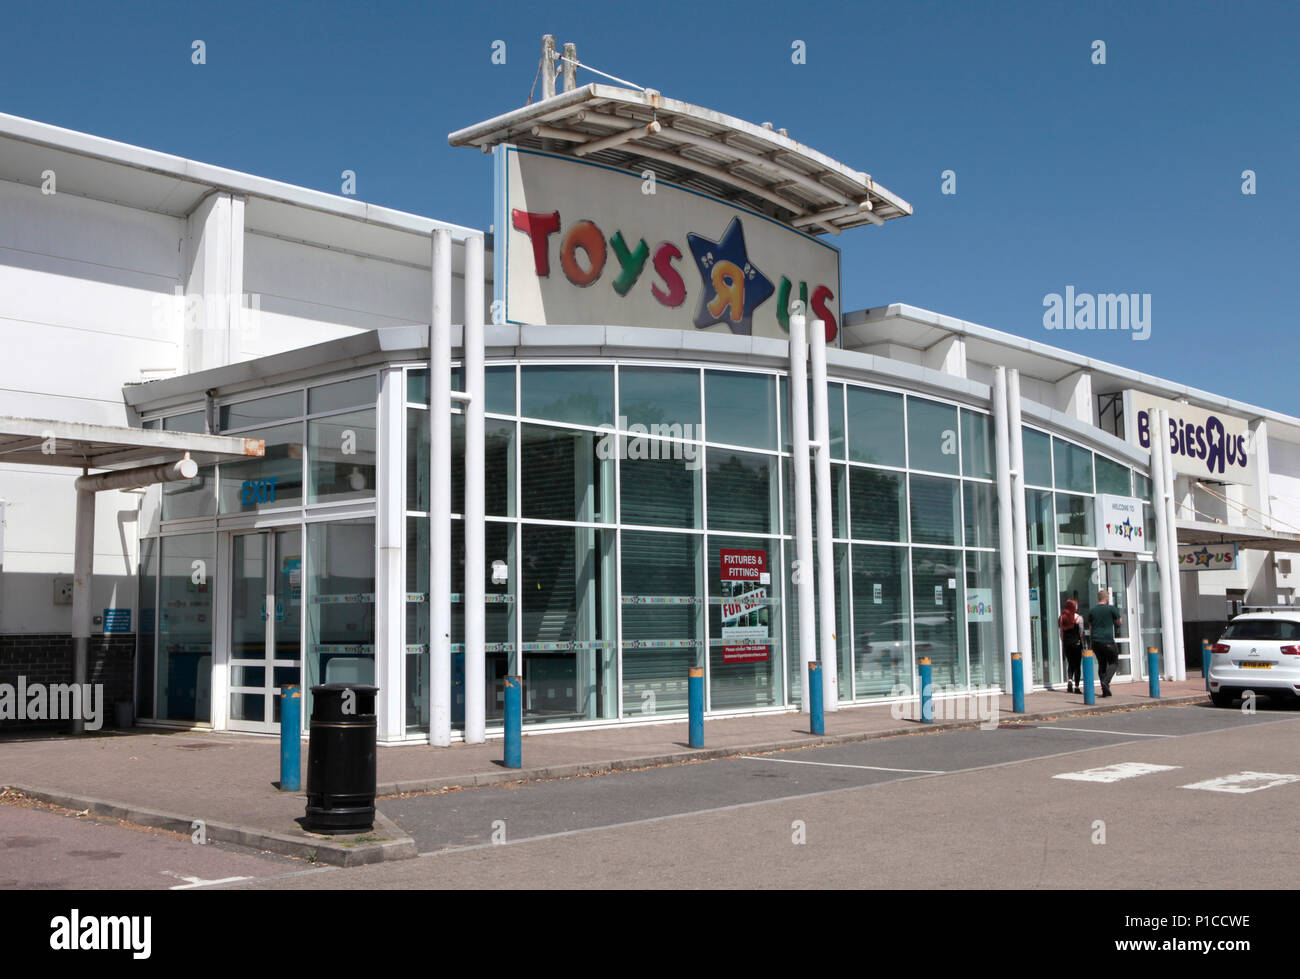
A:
[746,607]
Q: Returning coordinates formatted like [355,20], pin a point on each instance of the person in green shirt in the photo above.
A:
[1103,618]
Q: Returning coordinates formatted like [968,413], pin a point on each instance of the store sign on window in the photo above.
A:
[746,608]
[1119,523]
[1204,444]
[583,243]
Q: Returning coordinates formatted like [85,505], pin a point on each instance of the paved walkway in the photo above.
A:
[171,779]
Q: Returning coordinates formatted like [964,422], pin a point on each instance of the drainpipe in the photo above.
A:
[440,493]
[1015,444]
[83,567]
[803,574]
[1168,572]
[1006,548]
[825,549]
[475,506]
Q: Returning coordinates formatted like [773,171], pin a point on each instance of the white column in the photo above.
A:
[803,574]
[83,569]
[1006,545]
[440,493]
[1176,592]
[475,506]
[1168,572]
[214,283]
[825,547]
[1015,445]
[390,534]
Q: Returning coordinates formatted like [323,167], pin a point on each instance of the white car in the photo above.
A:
[1259,651]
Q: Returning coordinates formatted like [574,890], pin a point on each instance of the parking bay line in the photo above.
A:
[829,764]
[1096,730]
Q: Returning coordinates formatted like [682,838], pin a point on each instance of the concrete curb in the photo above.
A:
[387,841]
[475,780]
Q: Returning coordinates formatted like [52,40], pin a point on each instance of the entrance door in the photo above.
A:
[265,625]
[1119,580]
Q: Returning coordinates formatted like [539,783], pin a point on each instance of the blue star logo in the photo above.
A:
[733,286]
[1202,557]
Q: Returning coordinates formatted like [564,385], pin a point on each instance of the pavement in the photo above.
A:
[228,783]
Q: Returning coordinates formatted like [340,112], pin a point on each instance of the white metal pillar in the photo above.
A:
[825,547]
[803,574]
[440,492]
[82,575]
[1168,572]
[1020,544]
[475,506]
[1006,546]
[1176,592]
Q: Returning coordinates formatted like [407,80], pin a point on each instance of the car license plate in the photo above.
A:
[1256,666]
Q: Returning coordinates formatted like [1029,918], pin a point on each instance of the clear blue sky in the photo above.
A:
[1123,177]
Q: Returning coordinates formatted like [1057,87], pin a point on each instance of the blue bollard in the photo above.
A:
[695,701]
[927,690]
[514,722]
[1205,662]
[1017,683]
[1153,670]
[816,716]
[290,737]
[1089,677]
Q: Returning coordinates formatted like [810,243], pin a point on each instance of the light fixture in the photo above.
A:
[357,480]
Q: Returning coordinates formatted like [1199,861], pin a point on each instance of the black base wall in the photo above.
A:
[47,658]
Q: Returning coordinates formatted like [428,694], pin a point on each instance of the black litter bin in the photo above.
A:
[341,759]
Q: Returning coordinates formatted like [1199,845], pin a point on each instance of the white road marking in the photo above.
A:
[1097,730]
[1243,782]
[829,764]
[196,881]
[1116,772]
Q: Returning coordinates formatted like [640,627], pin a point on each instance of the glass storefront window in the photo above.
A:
[740,409]
[1074,521]
[931,436]
[1044,609]
[936,509]
[564,476]
[261,411]
[1112,478]
[359,392]
[660,491]
[341,452]
[1037,449]
[882,623]
[274,480]
[843,640]
[839,497]
[574,395]
[976,444]
[191,421]
[834,414]
[876,501]
[147,627]
[184,682]
[340,596]
[875,427]
[190,498]
[1073,466]
[983,625]
[663,620]
[742,491]
[937,585]
[979,501]
[1149,596]
[745,653]
[568,594]
[1040,524]
[663,396]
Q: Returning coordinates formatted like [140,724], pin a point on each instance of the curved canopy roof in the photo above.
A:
[754,166]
